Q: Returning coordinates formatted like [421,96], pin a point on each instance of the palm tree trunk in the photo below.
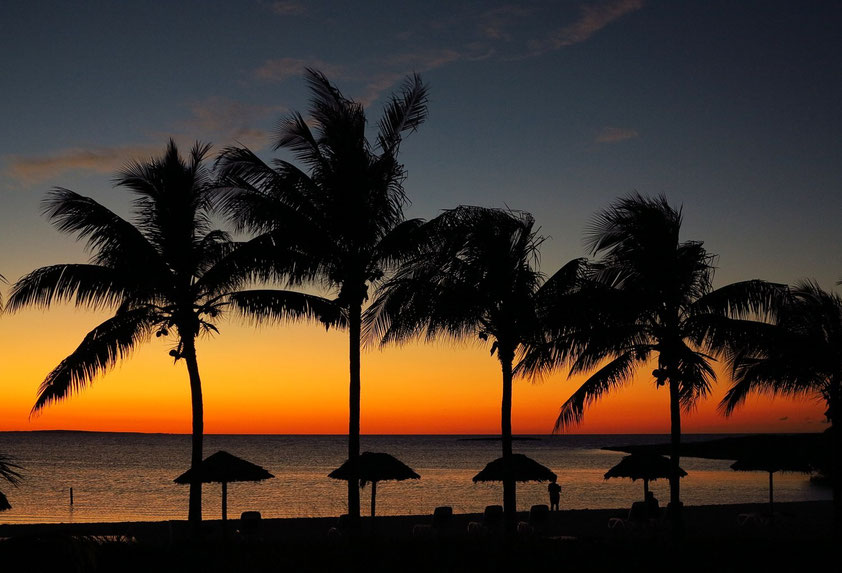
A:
[194,512]
[354,328]
[509,491]
[675,460]
[835,455]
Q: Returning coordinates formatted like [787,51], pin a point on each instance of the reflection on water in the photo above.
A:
[120,477]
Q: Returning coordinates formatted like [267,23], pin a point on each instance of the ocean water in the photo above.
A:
[129,477]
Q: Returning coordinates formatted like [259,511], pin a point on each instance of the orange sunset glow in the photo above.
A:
[294,285]
[292,379]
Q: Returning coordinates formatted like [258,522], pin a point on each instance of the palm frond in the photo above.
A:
[91,286]
[697,376]
[294,133]
[611,376]
[2,280]
[111,239]
[404,113]
[100,350]
[399,243]
[9,470]
[288,306]
[756,299]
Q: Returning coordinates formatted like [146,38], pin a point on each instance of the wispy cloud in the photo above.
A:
[615,135]
[281,69]
[287,7]
[218,120]
[30,170]
[783,418]
[419,62]
[504,31]
[592,19]
[224,120]
[494,24]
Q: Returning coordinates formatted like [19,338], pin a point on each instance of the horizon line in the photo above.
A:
[494,435]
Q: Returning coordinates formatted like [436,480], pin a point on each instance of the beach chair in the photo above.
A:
[539,517]
[250,526]
[753,519]
[442,518]
[638,517]
[492,518]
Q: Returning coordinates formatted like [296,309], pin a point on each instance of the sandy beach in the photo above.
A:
[720,537]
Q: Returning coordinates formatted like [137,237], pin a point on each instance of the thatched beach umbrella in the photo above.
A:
[769,461]
[647,467]
[524,468]
[4,502]
[223,468]
[375,467]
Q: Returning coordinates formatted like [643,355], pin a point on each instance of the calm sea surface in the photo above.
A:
[129,477]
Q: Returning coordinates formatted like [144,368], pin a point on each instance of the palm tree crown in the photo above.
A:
[338,218]
[474,275]
[165,273]
[654,299]
[799,354]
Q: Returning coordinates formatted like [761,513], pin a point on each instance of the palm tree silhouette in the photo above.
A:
[653,298]
[339,219]
[799,354]
[166,273]
[475,275]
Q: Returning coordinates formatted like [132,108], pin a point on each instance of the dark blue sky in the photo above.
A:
[731,108]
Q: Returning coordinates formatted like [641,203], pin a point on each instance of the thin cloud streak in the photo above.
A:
[615,135]
[215,120]
[224,120]
[418,62]
[492,36]
[281,69]
[592,19]
[36,169]
[288,8]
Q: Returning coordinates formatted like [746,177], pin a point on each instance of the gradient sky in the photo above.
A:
[731,109]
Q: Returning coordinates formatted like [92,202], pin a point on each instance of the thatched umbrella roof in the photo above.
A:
[4,503]
[768,460]
[374,467]
[647,467]
[771,462]
[525,469]
[813,447]
[223,467]
[643,466]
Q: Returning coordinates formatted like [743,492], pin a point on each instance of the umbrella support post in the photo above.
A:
[373,497]
[771,497]
[224,510]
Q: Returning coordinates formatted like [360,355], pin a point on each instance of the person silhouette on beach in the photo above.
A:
[652,506]
[555,494]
